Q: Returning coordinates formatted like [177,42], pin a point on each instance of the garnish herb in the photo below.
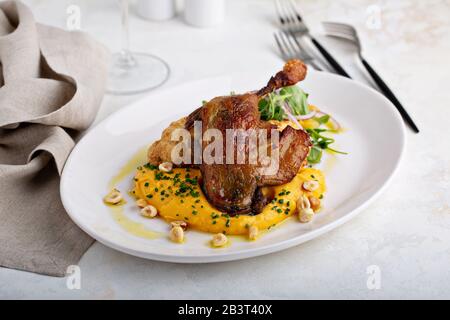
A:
[320,143]
[323,120]
[150,166]
[271,107]
[214,215]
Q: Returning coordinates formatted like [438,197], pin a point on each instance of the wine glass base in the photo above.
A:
[145,72]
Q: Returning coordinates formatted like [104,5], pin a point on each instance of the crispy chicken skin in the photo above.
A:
[294,148]
[236,188]
[231,187]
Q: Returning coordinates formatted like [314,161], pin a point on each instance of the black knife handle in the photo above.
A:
[390,95]
[330,59]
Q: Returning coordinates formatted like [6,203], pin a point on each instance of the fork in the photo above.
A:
[291,21]
[348,32]
[291,48]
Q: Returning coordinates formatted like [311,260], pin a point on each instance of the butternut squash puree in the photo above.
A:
[163,190]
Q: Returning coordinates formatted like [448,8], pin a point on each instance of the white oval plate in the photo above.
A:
[374,138]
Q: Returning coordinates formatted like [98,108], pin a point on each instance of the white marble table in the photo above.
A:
[406,233]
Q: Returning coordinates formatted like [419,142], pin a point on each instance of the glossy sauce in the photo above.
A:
[138,159]
[117,211]
[133,227]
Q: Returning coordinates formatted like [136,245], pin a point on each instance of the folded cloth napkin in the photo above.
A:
[51,84]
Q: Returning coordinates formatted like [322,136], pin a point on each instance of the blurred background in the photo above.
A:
[402,39]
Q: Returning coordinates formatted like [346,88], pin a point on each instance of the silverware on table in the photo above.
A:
[348,32]
[291,48]
[291,21]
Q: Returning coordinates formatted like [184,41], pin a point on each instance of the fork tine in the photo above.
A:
[287,45]
[337,24]
[299,51]
[278,10]
[337,28]
[287,38]
[302,52]
[342,34]
[284,55]
[340,28]
[289,17]
[341,31]
[294,8]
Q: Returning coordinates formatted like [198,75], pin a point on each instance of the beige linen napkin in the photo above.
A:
[51,85]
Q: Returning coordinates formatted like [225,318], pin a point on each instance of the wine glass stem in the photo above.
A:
[127,59]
